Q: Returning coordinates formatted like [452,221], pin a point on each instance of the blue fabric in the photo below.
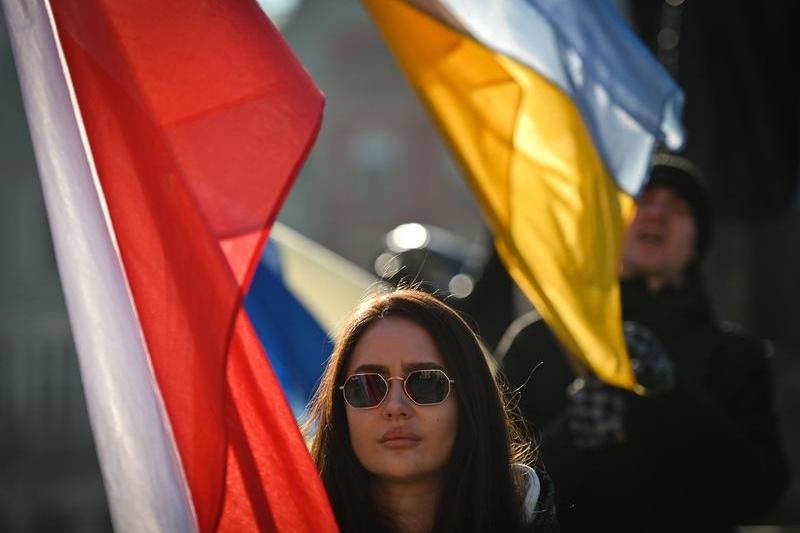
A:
[295,343]
[626,98]
[609,67]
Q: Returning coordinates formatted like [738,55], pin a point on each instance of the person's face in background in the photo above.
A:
[399,441]
[660,242]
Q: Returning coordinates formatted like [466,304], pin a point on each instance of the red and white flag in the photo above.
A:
[167,135]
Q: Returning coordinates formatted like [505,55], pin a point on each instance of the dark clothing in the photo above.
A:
[702,456]
[545,519]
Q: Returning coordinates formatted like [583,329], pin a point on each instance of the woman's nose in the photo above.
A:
[396,403]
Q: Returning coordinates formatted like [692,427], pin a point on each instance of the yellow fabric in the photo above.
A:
[555,212]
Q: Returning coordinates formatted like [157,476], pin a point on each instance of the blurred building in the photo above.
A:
[378,161]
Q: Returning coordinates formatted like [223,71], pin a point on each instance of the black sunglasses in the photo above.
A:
[423,387]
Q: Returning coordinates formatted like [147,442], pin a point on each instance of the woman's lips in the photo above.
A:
[399,438]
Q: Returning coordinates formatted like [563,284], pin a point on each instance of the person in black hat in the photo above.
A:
[699,450]
[671,231]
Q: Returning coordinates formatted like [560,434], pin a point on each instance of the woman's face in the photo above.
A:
[400,441]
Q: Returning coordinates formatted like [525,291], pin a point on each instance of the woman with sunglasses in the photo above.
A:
[412,429]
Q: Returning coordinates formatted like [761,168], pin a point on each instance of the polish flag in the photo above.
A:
[167,134]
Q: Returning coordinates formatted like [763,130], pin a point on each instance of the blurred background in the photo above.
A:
[378,163]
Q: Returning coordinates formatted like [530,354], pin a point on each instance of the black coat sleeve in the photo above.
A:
[724,431]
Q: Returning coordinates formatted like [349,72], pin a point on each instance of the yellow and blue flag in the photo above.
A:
[553,109]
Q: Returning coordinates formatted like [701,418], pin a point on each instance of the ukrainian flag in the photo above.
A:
[553,108]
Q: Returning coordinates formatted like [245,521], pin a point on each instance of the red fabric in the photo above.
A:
[198,117]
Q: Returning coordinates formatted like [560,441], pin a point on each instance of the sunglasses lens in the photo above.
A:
[364,390]
[428,386]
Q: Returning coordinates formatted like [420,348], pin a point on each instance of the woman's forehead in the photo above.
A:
[396,344]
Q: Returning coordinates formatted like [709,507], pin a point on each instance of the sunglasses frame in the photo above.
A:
[388,382]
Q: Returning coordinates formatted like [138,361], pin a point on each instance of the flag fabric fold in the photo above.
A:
[326,284]
[187,122]
[553,109]
[301,294]
[296,343]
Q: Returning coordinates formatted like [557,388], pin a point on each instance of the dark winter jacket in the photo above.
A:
[703,456]
[538,500]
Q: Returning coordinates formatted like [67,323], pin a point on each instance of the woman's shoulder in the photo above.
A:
[538,499]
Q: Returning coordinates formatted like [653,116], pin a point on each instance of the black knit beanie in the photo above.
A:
[685,180]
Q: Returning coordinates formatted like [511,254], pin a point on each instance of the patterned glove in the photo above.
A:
[596,414]
[595,417]
[651,363]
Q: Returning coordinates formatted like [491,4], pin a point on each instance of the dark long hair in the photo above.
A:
[479,493]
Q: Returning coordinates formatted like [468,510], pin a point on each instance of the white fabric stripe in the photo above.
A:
[144,481]
[515,30]
[328,285]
